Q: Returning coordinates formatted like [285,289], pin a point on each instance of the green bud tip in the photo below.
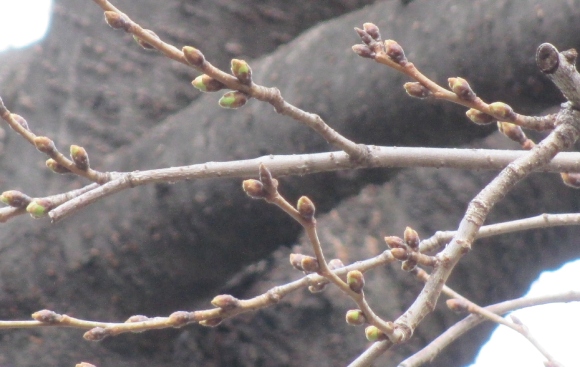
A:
[479,117]
[36,210]
[206,83]
[242,71]
[502,111]
[355,317]
[234,99]
[372,333]
[193,56]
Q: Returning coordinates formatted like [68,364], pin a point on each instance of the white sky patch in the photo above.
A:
[23,22]
[555,326]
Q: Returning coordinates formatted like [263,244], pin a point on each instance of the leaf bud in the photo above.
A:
[364,51]
[117,21]
[233,99]
[47,317]
[242,71]
[254,189]
[211,322]
[355,280]
[395,52]
[225,302]
[479,117]
[417,90]
[145,45]
[373,334]
[80,157]
[44,145]
[364,36]
[56,167]
[15,198]
[461,88]
[20,121]
[206,83]
[193,56]
[305,208]
[502,111]
[411,238]
[309,264]
[394,242]
[38,208]
[355,317]
[372,30]
[96,334]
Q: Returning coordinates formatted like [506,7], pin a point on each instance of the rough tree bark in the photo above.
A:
[159,248]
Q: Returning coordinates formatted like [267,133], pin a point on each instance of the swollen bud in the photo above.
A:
[296,261]
[364,51]
[15,198]
[411,238]
[395,52]
[206,83]
[355,317]
[225,302]
[96,334]
[503,111]
[479,117]
[56,167]
[372,30]
[144,44]
[180,318]
[309,264]
[233,99]
[254,189]
[461,88]
[355,280]
[117,21]
[44,145]
[193,56]
[364,36]
[242,71]
[395,242]
[20,121]
[80,157]
[400,254]
[47,317]
[373,334]
[457,305]
[305,208]
[38,208]
[417,90]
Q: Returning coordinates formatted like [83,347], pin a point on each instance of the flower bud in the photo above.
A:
[309,264]
[355,317]
[364,51]
[117,21]
[254,189]
[206,83]
[502,111]
[355,280]
[364,36]
[305,208]
[461,88]
[56,167]
[400,254]
[395,52]
[225,302]
[411,238]
[180,318]
[372,30]
[242,71]
[233,99]
[44,145]
[47,317]
[96,334]
[15,199]
[296,261]
[479,117]
[417,90]
[38,208]
[373,334]
[394,242]
[80,157]
[193,56]
[514,132]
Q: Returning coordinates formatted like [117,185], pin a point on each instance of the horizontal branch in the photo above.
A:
[302,164]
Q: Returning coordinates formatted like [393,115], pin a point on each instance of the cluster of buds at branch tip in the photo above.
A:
[193,56]
[20,121]
[56,167]
[395,52]
[373,334]
[206,83]
[233,99]
[80,157]
[305,208]
[355,280]
[242,71]
[15,199]
[417,90]
[461,88]
[480,118]
[226,302]
[44,145]
[47,317]
[117,21]
[144,44]
[39,208]
[355,317]
[502,111]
